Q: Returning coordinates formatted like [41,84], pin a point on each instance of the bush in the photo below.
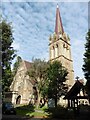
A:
[23,110]
[60,112]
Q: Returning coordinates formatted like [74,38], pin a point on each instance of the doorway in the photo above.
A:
[18,100]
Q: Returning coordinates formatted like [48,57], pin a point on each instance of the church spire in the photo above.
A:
[58,25]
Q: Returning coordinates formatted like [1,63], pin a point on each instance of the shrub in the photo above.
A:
[60,112]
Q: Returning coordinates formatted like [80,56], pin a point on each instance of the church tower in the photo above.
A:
[60,48]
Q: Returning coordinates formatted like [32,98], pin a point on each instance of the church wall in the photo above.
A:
[27,91]
[60,48]
[22,86]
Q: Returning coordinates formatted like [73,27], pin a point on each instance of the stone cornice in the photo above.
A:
[53,41]
[61,56]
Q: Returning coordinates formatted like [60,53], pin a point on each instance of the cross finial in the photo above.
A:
[57,5]
[58,25]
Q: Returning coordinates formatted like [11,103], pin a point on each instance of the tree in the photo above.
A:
[38,73]
[86,65]
[56,75]
[7,52]
[16,65]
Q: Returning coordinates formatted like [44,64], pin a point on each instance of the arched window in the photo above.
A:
[64,45]
[56,51]
[52,52]
[57,45]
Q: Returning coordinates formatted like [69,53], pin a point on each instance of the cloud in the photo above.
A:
[33,22]
[16,46]
[45,1]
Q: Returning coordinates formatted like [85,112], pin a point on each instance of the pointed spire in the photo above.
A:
[57,5]
[58,25]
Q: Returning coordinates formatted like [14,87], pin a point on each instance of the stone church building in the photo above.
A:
[22,86]
[59,49]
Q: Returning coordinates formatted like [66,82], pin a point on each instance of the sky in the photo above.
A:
[33,22]
[45,0]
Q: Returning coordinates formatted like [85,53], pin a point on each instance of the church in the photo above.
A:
[59,49]
[22,86]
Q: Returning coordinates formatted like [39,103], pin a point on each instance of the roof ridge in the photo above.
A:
[27,64]
[27,61]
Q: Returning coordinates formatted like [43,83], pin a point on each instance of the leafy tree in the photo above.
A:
[86,65]
[56,75]
[16,65]
[38,73]
[7,52]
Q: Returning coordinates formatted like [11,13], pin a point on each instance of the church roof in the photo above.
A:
[58,25]
[27,64]
[75,90]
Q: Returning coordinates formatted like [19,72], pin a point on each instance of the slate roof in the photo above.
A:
[74,91]
[27,64]
[58,24]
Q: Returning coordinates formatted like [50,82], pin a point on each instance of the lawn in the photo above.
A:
[37,114]
[59,112]
[31,111]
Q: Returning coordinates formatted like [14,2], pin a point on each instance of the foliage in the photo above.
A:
[24,110]
[86,65]
[38,73]
[16,65]
[44,89]
[56,75]
[60,113]
[8,53]
[38,114]
[31,111]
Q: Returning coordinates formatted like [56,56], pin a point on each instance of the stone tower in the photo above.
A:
[60,48]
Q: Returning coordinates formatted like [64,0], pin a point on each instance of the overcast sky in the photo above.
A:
[33,22]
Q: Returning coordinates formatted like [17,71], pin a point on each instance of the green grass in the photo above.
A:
[34,114]
[31,111]
[59,112]
[22,112]
[37,114]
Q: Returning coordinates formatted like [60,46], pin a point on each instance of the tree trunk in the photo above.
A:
[38,99]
